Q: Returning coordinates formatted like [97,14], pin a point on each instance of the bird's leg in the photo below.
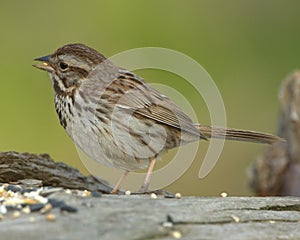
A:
[146,183]
[117,186]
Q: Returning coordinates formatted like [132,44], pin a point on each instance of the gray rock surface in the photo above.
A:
[141,217]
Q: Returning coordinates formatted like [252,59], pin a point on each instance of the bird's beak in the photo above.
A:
[45,63]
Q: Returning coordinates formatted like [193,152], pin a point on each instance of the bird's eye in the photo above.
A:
[63,65]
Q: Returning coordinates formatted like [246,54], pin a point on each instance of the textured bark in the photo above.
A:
[277,172]
[18,166]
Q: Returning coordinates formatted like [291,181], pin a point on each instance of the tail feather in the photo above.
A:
[237,135]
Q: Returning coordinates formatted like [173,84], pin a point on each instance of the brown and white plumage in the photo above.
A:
[117,118]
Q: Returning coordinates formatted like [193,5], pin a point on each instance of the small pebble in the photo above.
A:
[96,194]
[50,217]
[128,192]
[153,196]
[224,194]
[67,208]
[178,195]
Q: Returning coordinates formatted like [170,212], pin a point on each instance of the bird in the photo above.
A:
[117,118]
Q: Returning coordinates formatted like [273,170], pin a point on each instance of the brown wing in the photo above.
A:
[146,101]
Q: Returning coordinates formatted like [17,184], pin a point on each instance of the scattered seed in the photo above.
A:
[68,191]
[224,194]
[50,217]
[176,234]
[80,193]
[19,200]
[2,190]
[36,207]
[41,199]
[87,193]
[27,190]
[16,214]
[13,188]
[26,210]
[30,201]
[128,192]
[178,195]
[56,203]
[10,194]
[47,208]
[235,218]
[3,209]
[167,224]
[15,206]
[153,196]
[88,204]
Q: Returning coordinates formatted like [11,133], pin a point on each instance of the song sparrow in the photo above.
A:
[118,119]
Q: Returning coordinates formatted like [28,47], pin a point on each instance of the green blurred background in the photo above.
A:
[248,47]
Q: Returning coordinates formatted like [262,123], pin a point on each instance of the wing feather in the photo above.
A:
[147,102]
